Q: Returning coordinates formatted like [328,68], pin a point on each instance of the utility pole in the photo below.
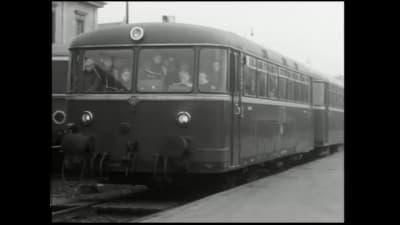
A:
[127,12]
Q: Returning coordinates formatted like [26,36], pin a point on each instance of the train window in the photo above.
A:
[301,92]
[333,99]
[296,91]
[273,69]
[341,101]
[273,86]
[262,84]
[249,79]
[103,71]
[290,89]
[282,88]
[213,70]
[307,93]
[165,70]
[318,94]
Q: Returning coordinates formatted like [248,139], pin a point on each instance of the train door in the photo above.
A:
[236,106]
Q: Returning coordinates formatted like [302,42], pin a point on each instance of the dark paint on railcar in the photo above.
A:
[268,131]
[152,123]
[59,81]
[59,76]
[320,127]
[336,127]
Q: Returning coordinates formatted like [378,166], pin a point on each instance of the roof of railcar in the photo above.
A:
[178,33]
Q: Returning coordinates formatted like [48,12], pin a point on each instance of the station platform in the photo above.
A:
[312,192]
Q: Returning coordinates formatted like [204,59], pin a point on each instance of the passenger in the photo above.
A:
[204,84]
[126,78]
[110,74]
[169,70]
[184,83]
[154,69]
[108,66]
[215,74]
[117,68]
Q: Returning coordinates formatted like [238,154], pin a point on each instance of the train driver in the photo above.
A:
[92,79]
[155,69]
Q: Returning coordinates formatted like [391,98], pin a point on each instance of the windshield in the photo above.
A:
[100,71]
[165,70]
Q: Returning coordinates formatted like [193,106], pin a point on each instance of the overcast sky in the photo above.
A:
[309,32]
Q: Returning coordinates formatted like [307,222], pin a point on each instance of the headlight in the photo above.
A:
[136,33]
[87,117]
[59,117]
[183,118]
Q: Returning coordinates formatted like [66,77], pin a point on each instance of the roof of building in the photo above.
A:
[178,33]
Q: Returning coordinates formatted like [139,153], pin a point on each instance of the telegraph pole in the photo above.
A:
[127,12]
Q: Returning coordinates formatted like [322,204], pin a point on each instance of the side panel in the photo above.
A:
[336,127]
[58,103]
[320,127]
[280,130]
[59,78]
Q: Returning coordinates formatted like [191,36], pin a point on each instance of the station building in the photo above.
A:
[69,19]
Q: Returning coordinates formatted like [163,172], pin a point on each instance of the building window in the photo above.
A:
[80,26]
[80,21]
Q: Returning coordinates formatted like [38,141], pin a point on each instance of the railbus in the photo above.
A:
[163,101]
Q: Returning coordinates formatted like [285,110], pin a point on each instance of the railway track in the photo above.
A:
[126,208]
[143,203]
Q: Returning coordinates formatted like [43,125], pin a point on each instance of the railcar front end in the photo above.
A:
[138,113]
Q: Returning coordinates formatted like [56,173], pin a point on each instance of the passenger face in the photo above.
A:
[126,75]
[184,77]
[89,63]
[216,66]
[157,59]
[107,63]
[203,78]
